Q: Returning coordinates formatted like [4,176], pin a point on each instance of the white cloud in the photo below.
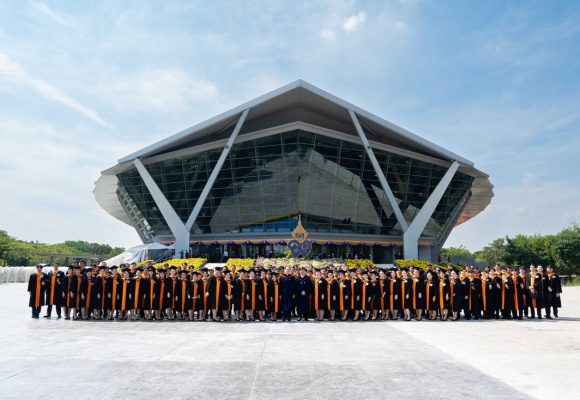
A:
[45,10]
[12,71]
[398,25]
[353,22]
[328,35]
[162,89]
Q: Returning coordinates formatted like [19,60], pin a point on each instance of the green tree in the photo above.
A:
[566,250]
[456,252]
[494,252]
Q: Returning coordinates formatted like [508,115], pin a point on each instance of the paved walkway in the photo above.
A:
[342,360]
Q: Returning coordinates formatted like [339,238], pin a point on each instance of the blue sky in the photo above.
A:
[85,83]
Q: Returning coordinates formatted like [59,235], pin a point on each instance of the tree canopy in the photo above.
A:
[20,252]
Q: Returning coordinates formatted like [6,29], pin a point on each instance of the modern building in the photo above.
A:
[239,181]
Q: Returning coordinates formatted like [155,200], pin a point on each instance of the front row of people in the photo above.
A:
[335,293]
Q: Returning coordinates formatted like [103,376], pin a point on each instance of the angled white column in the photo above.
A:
[216,171]
[180,232]
[412,234]
[379,172]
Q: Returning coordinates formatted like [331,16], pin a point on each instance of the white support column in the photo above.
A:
[379,172]
[180,232]
[412,234]
[216,171]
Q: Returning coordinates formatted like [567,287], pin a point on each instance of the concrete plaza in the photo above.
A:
[60,359]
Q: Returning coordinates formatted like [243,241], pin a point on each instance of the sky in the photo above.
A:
[83,84]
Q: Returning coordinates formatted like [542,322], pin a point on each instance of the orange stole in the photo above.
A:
[162,295]
[340,295]
[136,294]
[392,299]
[414,294]
[38,290]
[151,292]
[364,296]
[451,288]
[229,287]
[265,283]
[428,299]
[276,297]
[183,294]
[516,304]
[352,294]
[441,298]
[403,284]
[195,286]
[329,283]
[123,295]
[114,295]
[217,293]
[89,286]
[382,286]
[316,294]
[52,283]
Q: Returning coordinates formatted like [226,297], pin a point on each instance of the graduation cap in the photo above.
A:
[125,269]
[76,267]
[160,269]
[195,273]
[114,267]
[151,269]
[204,269]
[242,270]
[103,268]
[139,269]
[173,267]
[218,268]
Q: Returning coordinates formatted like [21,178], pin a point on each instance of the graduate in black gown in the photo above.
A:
[274,297]
[443,296]
[124,299]
[554,289]
[86,294]
[475,295]
[213,291]
[36,290]
[332,289]
[407,294]
[238,289]
[170,290]
[54,281]
[112,292]
[395,298]
[418,285]
[250,295]
[99,293]
[343,296]
[356,293]
[374,296]
[455,293]
[319,295]
[431,305]
[465,298]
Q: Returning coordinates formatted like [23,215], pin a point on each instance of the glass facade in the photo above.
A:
[266,182]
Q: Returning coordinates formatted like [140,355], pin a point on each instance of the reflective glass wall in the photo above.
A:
[265,183]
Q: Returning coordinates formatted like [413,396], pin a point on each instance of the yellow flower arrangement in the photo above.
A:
[197,263]
[363,263]
[239,263]
[418,264]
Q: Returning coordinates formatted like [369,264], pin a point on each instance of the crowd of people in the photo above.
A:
[130,292]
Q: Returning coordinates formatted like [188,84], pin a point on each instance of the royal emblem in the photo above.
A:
[299,245]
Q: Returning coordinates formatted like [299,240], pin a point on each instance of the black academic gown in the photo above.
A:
[36,287]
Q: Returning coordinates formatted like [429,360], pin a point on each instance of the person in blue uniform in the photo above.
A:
[302,291]
[287,282]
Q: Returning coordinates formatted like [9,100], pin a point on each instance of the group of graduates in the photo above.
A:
[334,293]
